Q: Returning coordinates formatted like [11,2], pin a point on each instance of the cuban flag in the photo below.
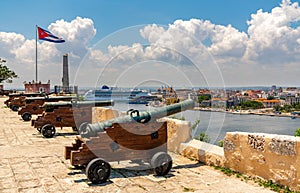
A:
[48,36]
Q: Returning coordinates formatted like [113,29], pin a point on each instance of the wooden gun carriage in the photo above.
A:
[146,143]
[65,114]
[33,105]
[135,136]
[16,100]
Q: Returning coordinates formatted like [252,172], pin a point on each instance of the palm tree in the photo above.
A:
[6,73]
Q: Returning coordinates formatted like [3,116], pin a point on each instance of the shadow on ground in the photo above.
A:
[131,171]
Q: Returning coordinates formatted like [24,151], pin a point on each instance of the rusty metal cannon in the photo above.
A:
[61,114]
[134,115]
[136,136]
[17,100]
[33,105]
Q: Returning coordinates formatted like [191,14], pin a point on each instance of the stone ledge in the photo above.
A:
[204,152]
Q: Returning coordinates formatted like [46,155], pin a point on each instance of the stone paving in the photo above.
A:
[31,163]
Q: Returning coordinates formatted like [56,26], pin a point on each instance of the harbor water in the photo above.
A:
[216,124]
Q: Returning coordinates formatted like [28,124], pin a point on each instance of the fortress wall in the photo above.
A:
[269,156]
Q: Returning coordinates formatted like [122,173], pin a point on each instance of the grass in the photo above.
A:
[203,137]
[297,132]
[275,187]
[185,189]
[221,143]
[266,184]
[142,187]
[228,171]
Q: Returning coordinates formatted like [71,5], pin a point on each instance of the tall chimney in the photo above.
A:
[65,79]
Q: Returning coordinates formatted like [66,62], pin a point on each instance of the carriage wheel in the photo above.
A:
[162,163]
[98,171]
[26,116]
[48,130]
[15,107]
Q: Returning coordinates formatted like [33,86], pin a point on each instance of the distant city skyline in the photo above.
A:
[134,43]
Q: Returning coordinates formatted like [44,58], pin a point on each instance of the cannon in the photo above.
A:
[16,100]
[134,115]
[33,105]
[144,141]
[61,114]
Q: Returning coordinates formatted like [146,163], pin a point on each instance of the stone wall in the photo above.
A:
[272,157]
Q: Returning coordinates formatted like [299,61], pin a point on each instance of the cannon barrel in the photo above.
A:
[133,115]
[50,98]
[79,103]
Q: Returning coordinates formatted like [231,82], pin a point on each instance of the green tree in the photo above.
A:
[251,105]
[5,72]
[297,107]
[204,97]
[287,108]
[277,108]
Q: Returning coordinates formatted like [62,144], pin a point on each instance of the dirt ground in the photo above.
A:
[31,163]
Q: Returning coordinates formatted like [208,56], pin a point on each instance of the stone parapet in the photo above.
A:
[269,156]
[178,132]
[204,152]
[103,113]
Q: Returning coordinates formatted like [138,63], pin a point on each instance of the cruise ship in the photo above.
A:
[115,94]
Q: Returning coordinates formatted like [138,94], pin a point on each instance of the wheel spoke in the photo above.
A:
[98,171]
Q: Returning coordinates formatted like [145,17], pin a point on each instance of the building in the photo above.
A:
[36,87]
[269,103]
[291,100]
[184,93]
[219,103]
[255,93]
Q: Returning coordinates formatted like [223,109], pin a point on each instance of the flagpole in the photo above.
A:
[36,70]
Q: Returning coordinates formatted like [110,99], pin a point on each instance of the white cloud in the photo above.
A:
[77,34]
[270,46]
[271,41]
[272,38]
[9,43]
[20,52]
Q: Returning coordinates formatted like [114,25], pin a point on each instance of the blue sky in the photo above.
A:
[229,43]
[21,16]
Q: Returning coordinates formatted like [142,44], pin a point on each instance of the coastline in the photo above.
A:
[248,112]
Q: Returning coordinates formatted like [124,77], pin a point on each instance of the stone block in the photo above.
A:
[178,132]
[102,113]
